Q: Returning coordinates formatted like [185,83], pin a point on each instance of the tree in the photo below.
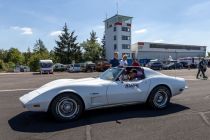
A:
[15,56]
[67,49]
[92,49]
[39,52]
[27,55]
[103,47]
[208,54]
[3,55]
[39,47]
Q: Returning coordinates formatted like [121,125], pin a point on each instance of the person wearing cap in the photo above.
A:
[124,62]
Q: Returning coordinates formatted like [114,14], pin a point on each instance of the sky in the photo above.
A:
[22,22]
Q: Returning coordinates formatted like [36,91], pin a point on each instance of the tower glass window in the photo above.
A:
[126,29]
[126,37]
[115,37]
[115,28]
[125,46]
[115,47]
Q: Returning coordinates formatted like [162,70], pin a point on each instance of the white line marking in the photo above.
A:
[12,90]
[203,116]
[88,134]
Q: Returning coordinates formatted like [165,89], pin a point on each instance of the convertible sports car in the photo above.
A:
[66,99]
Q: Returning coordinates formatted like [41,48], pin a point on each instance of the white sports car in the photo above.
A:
[66,99]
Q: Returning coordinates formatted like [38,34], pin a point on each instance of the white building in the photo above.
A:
[118,36]
[162,51]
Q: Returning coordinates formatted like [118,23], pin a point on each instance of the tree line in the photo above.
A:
[66,51]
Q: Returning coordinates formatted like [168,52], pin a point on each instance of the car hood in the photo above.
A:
[75,82]
[64,83]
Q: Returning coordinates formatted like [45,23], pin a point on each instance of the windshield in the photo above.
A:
[111,74]
[46,65]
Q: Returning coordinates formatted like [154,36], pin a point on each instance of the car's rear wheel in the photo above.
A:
[159,97]
[66,107]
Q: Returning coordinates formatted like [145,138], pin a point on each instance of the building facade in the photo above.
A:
[162,51]
[118,36]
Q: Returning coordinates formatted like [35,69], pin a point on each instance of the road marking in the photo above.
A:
[203,116]
[12,90]
[88,133]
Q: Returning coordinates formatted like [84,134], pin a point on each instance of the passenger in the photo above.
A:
[133,75]
[115,62]
[124,62]
[135,62]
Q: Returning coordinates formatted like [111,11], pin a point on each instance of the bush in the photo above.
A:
[2,65]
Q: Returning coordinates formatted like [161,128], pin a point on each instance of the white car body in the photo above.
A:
[99,93]
[74,68]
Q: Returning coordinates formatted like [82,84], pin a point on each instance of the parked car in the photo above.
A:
[67,99]
[175,65]
[22,69]
[89,66]
[192,65]
[155,65]
[184,64]
[74,68]
[59,67]
[102,65]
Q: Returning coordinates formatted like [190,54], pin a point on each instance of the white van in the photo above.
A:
[46,66]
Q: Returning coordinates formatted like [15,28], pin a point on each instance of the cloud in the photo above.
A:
[199,9]
[56,33]
[99,40]
[141,31]
[100,27]
[24,30]
[159,41]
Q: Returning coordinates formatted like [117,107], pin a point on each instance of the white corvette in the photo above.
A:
[66,99]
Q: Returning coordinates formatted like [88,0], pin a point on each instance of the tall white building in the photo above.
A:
[118,36]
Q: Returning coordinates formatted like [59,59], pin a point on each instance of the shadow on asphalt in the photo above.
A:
[41,122]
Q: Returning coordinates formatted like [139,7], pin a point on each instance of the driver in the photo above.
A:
[132,75]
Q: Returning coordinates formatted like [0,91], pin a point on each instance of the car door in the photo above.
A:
[128,91]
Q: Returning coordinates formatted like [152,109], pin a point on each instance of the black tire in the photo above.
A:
[66,107]
[159,97]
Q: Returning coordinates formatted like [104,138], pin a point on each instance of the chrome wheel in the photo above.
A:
[160,98]
[67,107]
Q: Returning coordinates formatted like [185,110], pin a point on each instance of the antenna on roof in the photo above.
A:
[117,6]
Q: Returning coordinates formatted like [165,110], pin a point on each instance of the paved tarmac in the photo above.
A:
[187,117]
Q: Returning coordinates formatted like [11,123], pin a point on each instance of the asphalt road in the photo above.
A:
[187,117]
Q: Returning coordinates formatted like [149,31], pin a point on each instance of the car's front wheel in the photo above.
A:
[159,97]
[66,107]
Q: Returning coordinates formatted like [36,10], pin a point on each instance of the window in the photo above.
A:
[125,46]
[171,46]
[126,29]
[126,37]
[115,47]
[115,37]
[115,28]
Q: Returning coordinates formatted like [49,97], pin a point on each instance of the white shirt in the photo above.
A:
[123,63]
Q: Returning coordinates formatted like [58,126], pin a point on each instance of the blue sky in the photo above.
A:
[22,22]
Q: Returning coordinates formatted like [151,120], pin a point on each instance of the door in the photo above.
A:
[128,91]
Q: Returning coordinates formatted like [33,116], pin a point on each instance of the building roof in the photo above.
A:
[118,18]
